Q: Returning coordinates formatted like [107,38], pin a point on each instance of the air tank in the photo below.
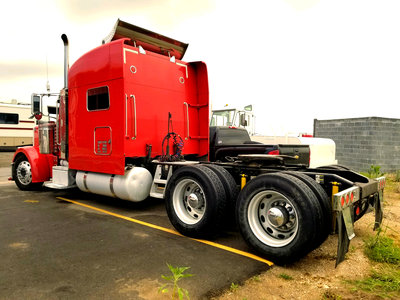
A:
[134,185]
[46,137]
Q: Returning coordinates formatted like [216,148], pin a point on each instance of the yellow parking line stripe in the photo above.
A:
[31,201]
[237,251]
[216,245]
[121,216]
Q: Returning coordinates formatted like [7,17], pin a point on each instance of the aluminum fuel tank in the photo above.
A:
[134,185]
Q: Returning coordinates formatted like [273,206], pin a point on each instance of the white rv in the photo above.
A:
[15,125]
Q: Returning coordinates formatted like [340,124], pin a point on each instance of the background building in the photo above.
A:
[362,142]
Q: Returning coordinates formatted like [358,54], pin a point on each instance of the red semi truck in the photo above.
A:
[132,122]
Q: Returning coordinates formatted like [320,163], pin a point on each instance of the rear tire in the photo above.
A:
[279,216]
[230,186]
[325,203]
[196,201]
[231,192]
[23,174]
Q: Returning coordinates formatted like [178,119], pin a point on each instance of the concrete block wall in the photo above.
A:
[362,142]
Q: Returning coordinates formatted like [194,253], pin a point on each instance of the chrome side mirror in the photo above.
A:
[36,102]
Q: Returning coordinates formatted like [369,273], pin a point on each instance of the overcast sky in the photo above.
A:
[294,60]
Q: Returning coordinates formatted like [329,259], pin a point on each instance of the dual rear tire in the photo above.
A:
[198,199]
[283,216]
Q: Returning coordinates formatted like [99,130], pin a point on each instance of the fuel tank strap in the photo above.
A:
[85,181]
[112,186]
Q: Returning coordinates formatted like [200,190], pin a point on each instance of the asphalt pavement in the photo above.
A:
[74,245]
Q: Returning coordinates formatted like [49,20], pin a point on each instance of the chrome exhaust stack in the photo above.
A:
[66,59]
[62,120]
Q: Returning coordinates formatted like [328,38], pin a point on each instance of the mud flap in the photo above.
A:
[343,205]
[345,232]
[378,210]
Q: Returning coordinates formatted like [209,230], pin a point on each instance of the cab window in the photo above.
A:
[98,99]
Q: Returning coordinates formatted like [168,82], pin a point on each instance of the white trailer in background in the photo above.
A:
[15,125]
[322,150]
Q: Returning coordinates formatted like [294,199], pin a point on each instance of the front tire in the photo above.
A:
[23,174]
[196,201]
[278,217]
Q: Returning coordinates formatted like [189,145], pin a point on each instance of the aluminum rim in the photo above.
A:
[189,201]
[272,218]
[24,172]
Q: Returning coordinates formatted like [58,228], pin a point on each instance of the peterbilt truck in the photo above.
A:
[132,122]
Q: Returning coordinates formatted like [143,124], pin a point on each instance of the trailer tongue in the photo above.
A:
[132,122]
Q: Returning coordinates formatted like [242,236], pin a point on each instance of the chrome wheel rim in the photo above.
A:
[189,201]
[24,172]
[272,218]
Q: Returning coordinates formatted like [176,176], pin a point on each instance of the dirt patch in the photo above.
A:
[315,276]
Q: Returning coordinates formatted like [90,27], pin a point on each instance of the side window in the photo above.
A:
[98,99]
[8,118]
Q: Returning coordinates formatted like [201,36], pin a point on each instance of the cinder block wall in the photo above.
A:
[362,142]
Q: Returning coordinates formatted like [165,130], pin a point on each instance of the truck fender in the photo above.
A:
[41,163]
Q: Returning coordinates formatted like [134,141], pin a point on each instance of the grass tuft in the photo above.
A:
[397,176]
[386,280]
[234,287]
[382,249]
[285,276]
[373,172]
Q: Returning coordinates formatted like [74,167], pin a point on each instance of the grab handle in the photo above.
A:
[126,116]
[187,118]
[134,116]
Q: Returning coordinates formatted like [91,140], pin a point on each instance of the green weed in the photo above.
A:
[177,275]
[385,280]
[381,248]
[285,276]
[234,287]
[373,172]
[397,176]
[382,282]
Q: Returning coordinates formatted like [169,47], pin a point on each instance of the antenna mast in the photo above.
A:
[47,76]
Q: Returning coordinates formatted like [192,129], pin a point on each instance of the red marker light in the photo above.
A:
[274,152]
